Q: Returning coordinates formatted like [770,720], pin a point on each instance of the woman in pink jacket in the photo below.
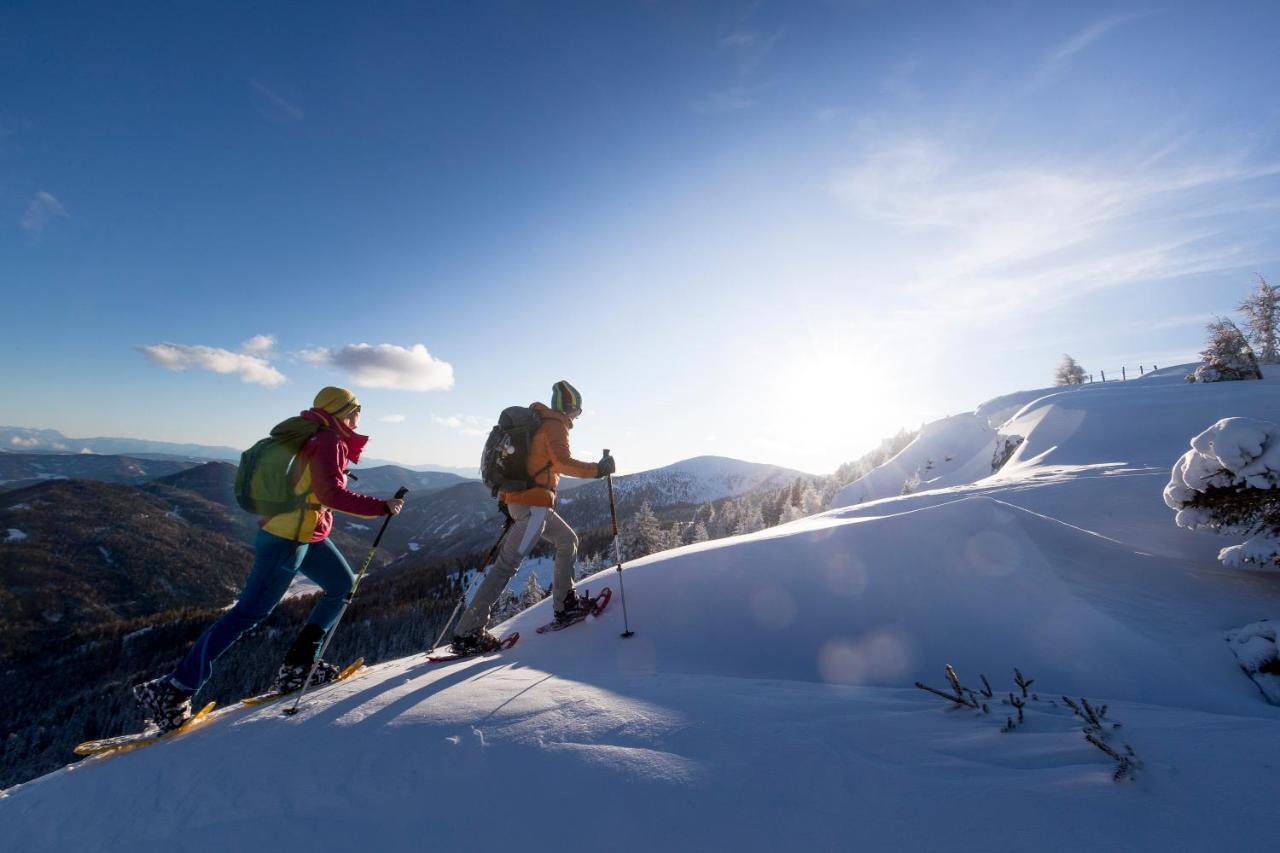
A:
[286,544]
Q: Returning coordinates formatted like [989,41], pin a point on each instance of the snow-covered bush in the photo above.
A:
[1068,372]
[1005,446]
[1229,482]
[1227,356]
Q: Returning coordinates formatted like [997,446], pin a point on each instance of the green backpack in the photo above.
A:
[262,481]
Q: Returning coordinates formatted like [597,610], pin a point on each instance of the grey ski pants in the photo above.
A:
[529,524]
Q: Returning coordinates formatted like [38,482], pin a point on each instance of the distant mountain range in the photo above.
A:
[685,484]
[30,440]
[446,515]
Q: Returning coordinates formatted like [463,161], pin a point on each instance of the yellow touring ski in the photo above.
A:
[128,743]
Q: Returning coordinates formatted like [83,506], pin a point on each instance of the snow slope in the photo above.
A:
[954,449]
[765,701]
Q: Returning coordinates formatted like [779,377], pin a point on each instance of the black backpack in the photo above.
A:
[504,462]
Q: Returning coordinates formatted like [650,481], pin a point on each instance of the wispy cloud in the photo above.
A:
[251,364]
[739,53]
[392,419]
[276,104]
[386,366]
[1010,239]
[41,210]
[748,48]
[1060,54]
[1178,321]
[470,425]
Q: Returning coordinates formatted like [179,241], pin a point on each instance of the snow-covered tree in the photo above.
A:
[726,520]
[1227,356]
[642,535]
[1229,482]
[1068,372]
[532,592]
[791,512]
[749,522]
[811,500]
[1261,310]
[588,565]
[507,605]
[697,533]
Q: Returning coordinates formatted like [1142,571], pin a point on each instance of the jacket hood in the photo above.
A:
[544,411]
[354,441]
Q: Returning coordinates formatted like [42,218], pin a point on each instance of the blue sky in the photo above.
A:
[776,231]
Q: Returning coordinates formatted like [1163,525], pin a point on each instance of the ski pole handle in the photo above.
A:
[404,490]
[613,509]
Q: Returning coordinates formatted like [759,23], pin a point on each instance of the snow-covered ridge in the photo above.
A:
[765,700]
[707,478]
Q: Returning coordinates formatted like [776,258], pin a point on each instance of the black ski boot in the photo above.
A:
[290,676]
[575,609]
[476,643]
[165,704]
[298,660]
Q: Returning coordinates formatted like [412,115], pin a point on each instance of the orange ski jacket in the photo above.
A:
[549,457]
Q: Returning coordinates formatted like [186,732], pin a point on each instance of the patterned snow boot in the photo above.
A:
[167,706]
[476,643]
[291,676]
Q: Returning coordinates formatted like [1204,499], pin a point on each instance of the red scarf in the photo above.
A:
[354,441]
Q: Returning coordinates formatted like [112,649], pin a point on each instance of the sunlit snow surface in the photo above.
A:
[765,702]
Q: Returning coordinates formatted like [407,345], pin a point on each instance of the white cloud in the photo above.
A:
[392,419]
[260,345]
[251,364]
[41,210]
[19,441]
[386,366]
[465,424]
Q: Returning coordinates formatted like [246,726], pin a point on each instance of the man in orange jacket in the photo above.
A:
[533,517]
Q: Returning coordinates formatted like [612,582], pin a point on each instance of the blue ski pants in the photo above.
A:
[276,562]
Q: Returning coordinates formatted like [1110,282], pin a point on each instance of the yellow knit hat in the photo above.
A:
[336,401]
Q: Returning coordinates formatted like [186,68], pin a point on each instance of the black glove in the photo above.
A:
[605,466]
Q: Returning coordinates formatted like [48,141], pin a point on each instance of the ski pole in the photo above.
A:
[346,602]
[488,558]
[617,553]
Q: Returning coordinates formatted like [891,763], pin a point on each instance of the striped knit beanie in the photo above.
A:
[565,398]
[338,402]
